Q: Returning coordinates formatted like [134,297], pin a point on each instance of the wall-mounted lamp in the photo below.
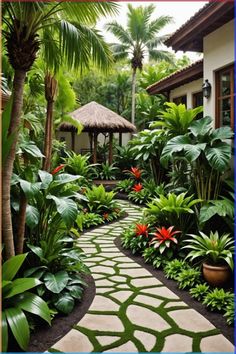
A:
[206,89]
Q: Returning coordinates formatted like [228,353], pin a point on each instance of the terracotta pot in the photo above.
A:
[216,275]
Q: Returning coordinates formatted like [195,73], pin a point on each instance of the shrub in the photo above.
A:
[151,255]
[58,266]
[218,299]
[16,300]
[86,220]
[230,312]
[141,197]
[173,268]
[124,186]
[199,291]
[173,210]
[108,172]
[77,164]
[188,278]
[133,240]
[99,200]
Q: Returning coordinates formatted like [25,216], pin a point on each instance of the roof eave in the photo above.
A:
[177,79]
[190,36]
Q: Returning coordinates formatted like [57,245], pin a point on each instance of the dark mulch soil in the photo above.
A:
[46,336]
[216,319]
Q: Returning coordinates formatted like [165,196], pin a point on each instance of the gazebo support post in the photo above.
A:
[120,139]
[73,140]
[95,147]
[110,147]
[91,142]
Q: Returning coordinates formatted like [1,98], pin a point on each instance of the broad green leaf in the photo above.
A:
[21,285]
[223,207]
[181,143]
[30,189]
[64,178]
[201,127]
[219,156]
[19,326]
[4,332]
[31,148]
[37,250]
[222,133]
[46,178]
[67,208]
[32,216]
[56,282]
[75,291]
[34,304]
[65,303]
[12,265]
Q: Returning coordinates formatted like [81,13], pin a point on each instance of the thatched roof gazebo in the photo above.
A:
[96,119]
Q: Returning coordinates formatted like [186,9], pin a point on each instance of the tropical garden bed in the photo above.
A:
[176,167]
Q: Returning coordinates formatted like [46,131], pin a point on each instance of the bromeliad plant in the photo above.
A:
[136,238]
[163,240]
[77,164]
[17,301]
[107,172]
[124,186]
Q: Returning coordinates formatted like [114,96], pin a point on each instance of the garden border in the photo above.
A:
[216,319]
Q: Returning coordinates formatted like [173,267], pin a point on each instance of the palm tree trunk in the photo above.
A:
[133,96]
[17,102]
[50,95]
[21,224]
[48,137]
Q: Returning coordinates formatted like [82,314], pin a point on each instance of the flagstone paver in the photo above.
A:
[133,311]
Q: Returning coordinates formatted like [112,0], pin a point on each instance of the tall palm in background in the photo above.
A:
[138,40]
[59,28]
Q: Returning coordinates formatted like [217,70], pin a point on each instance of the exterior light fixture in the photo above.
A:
[206,89]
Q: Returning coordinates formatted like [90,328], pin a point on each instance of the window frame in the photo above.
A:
[180,97]
[219,98]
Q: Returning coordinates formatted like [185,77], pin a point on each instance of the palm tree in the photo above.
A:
[27,27]
[138,40]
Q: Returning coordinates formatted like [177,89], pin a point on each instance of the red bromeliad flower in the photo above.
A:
[105,216]
[57,169]
[137,187]
[141,229]
[164,236]
[136,172]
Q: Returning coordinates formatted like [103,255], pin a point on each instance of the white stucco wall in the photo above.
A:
[187,89]
[218,49]
[82,140]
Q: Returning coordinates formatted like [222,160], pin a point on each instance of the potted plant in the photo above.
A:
[216,253]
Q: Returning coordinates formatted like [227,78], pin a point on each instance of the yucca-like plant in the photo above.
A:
[213,249]
[99,200]
[173,210]
[177,118]
[77,164]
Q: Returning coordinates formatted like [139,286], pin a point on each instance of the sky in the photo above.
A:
[181,11]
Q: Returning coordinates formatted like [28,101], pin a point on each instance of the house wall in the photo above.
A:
[218,48]
[187,89]
[82,140]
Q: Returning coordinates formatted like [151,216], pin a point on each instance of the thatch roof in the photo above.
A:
[97,118]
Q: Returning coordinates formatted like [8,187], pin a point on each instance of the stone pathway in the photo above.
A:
[132,311]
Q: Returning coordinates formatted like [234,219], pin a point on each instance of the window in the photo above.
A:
[197,100]
[225,97]
[180,99]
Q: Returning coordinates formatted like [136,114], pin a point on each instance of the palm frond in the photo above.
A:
[159,55]
[119,32]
